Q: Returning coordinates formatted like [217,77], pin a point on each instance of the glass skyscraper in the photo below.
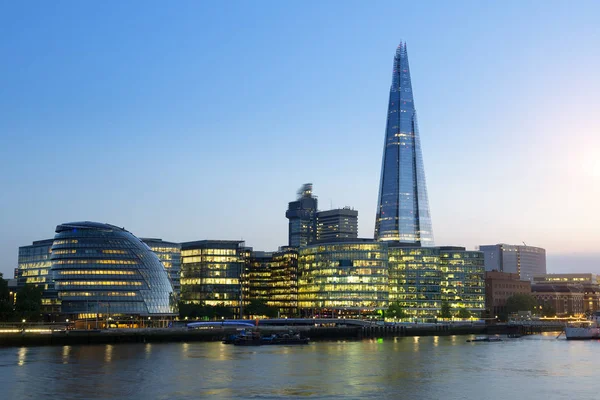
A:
[403,208]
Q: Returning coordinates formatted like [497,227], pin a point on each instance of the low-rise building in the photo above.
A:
[499,286]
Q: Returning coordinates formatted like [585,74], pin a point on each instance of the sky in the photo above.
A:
[199,120]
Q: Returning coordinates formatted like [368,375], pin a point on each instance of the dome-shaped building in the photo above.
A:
[103,269]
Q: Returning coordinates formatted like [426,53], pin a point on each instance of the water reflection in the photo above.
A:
[65,354]
[415,367]
[108,353]
[22,355]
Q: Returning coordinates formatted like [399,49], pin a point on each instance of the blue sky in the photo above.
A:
[199,120]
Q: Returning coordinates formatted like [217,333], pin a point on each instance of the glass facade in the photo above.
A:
[103,269]
[403,207]
[212,271]
[284,282]
[421,278]
[302,218]
[257,277]
[343,276]
[415,279]
[35,264]
[337,224]
[169,254]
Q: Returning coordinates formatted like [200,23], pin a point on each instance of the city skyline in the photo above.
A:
[121,123]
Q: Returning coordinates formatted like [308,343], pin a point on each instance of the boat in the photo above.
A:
[255,339]
[584,330]
[494,338]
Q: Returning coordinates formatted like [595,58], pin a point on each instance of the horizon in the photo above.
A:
[205,127]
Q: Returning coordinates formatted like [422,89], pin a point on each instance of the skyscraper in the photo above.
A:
[403,208]
[302,215]
[341,223]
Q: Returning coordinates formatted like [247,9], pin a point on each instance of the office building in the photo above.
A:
[421,278]
[526,261]
[257,277]
[403,208]
[343,278]
[34,264]
[499,286]
[212,272]
[284,281]
[301,214]
[103,271]
[169,254]
[568,294]
[336,224]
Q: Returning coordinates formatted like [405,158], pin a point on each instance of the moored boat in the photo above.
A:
[494,338]
[584,330]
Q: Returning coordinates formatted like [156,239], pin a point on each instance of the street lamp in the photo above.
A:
[23,321]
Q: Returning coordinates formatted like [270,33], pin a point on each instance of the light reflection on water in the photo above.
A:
[411,368]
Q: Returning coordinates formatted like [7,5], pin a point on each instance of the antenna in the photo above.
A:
[524,244]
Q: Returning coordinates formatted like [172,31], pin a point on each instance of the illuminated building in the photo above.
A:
[499,286]
[346,277]
[302,218]
[568,294]
[421,278]
[169,254]
[34,264]
[284,281]
[341,223]
[257,276]
[101,270]
[527,261]
[35,269]
[211,272]
[403,207]
[415,279]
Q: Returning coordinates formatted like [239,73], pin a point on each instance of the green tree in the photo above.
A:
[29,303]
[463,313]
[445,310]
[396,311]
[521,302]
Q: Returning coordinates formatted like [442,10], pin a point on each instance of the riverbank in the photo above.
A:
[316,333]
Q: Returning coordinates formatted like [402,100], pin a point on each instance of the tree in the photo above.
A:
[520,302]
[396,311]
[29,302]
[6,306]
[445,310]
[549,311]
[463,313]
[260,307]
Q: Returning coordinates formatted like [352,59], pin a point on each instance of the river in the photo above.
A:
[446,368]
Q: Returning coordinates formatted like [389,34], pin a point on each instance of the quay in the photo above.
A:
[316,329]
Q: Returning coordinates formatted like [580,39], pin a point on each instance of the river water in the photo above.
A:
[534,367]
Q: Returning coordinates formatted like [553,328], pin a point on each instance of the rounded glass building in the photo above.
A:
[103,269]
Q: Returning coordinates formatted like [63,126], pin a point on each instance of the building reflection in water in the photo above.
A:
[108,353]
[148,350]
[22,356]
[436,340]
[65,354]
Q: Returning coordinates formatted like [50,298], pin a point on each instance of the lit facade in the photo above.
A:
[421,278]
[570,294]
[463,278]
[403,206]
[302,218]
[343,277]
[284,281]
[257,277]
[415,280]
[35,269]
[527,261]
[101,269]
[336,224]
[35,264]
[169,254]
[212,271]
